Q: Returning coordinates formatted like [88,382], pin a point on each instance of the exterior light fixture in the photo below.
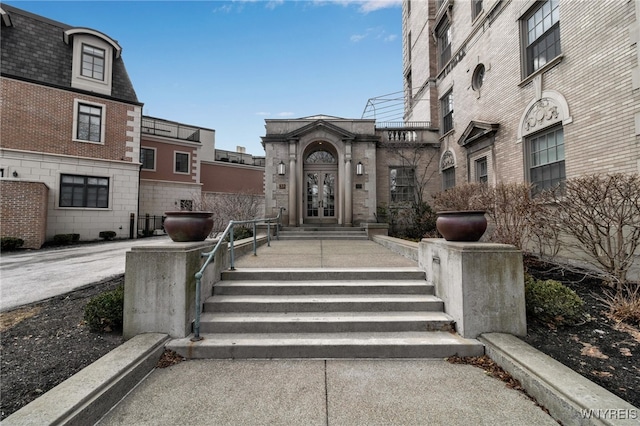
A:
[359,168]
[282,169]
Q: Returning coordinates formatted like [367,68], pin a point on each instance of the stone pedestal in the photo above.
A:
[160,285]
[481,284]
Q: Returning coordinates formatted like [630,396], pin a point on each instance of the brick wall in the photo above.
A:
[40,118]
[24,211]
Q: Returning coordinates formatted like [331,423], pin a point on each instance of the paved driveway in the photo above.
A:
[34,275]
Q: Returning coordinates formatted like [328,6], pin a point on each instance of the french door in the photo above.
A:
[320,191]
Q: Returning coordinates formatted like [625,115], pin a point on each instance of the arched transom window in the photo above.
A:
[321,157]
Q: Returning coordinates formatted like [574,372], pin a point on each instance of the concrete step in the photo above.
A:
[435,344]
[319,232]
[324,322]
[323,303]
[321,228]
[292,237]
[322,287]
[321,274]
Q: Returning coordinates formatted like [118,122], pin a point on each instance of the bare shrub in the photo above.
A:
[520,219]
[227,207]
[602,214]
[510,207]
[624,305]
[468,196]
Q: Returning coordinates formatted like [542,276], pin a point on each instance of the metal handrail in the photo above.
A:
[211,255]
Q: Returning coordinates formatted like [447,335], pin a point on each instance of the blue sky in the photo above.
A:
[229,65]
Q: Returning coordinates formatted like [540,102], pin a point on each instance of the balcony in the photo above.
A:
[410,131]
[169,129]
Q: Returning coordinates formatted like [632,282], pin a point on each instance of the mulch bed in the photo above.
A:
[601,349]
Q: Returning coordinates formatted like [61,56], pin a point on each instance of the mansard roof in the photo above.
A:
[34,49]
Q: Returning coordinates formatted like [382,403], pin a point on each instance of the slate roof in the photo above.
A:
[33,49]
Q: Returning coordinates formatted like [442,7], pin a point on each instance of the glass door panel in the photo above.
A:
[328,195]
[312,195]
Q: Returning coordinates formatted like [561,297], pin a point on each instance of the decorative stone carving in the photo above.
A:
[543,113]
[447,160]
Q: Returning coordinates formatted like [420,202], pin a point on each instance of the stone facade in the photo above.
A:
[363,159]
[590,90]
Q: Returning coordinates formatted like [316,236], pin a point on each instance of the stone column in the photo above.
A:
[293,199]
[348,187]
[348,194]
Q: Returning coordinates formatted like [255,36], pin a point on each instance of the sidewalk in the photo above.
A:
[318,392]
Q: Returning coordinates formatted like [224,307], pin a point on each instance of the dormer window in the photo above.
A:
[93,57]
[93,62]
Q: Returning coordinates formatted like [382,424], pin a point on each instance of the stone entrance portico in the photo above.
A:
[322,169]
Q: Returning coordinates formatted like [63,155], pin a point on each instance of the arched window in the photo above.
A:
[320,157]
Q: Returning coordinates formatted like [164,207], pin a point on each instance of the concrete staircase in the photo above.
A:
[322,232]
[325,313]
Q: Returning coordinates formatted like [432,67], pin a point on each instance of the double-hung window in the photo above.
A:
[402,184]
[89,122]
[542,35]
[446,108]
[148,158]
[546,159]
[482,174]
[448,178]
[443,35]
[93,62]
[476,8]
[181,162]
[84,191]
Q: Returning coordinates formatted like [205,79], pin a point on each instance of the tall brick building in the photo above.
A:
[533,91]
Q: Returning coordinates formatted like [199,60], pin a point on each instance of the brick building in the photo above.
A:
[70,121]
[77,156]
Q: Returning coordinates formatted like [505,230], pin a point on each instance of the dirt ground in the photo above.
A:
[45,343]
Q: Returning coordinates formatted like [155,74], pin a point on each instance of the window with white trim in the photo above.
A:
[541,35]
[88,125]
[545,158]
[181,162]
[93,62]
[84,191]
[148,158]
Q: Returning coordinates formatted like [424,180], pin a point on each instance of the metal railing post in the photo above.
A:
[196,322]
[269,233]
[231,242]
[255,247]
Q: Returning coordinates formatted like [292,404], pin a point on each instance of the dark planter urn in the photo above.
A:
[183,226]
[463,225]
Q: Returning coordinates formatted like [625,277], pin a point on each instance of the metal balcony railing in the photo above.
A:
[168,129]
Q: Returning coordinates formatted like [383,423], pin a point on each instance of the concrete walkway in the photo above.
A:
[324,392]
[323,254]
[318,392]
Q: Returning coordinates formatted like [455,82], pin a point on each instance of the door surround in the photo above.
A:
[320,201]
